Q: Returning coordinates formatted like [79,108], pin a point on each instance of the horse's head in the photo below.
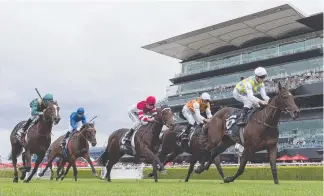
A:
[286,102]
[88,130]
[165,116]
[52,112]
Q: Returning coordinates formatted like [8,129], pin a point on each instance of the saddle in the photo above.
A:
[68,141]
[232,129]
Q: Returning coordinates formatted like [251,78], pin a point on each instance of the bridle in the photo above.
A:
[277,98]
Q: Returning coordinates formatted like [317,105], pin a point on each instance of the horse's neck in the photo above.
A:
[156,129]
[81,137]
[44,126]
[270,114]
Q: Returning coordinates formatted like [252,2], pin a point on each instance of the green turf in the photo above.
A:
[164,187]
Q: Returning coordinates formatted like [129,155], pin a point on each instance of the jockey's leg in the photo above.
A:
[126,143]
[247,105]
[67,135]
[191,121]
[30,121]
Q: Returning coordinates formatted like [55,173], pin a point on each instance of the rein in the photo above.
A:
[264,113]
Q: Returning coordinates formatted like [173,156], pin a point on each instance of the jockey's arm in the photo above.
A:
[154,112]
[34,108]
[143,118]
[250,95]
[263,93]
[208,112]
[84,120]
[200,118]
[73,122]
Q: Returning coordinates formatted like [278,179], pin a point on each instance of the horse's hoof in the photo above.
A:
[40,175]
[228,180]
[199,170]
[26,181]
[15,180]
[22,177]
[95,174]
[150,175]
[164,172]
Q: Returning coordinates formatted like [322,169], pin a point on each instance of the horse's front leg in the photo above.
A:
[272,153]
[153,157]
[222,146]
[87,158]
[38,161]
[244,159]
[26,157]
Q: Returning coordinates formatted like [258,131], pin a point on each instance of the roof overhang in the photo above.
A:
[273,23]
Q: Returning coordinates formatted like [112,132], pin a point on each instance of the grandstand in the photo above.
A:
[215,58]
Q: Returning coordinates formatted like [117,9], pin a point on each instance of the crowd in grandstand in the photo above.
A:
[292,81]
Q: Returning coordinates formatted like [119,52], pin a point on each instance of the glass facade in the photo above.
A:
[274,50]
[307,133]
[291,67]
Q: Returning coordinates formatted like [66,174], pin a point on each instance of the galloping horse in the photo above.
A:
[260,133]
[170,149]
[146,143]
[38,141]
[77,146]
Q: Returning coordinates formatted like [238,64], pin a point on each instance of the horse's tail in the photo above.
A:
[10,157]
[103,158]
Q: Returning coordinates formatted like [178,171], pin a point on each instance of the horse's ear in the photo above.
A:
[279,86]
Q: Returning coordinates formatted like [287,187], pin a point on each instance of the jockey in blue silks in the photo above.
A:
[75,119]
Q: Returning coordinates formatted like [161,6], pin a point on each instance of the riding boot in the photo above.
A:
[63,143]
[243,118]
[185,133]
[24,130]
[126,147]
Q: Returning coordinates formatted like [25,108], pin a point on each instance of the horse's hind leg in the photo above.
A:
[48,165]
[218,166]
[66,171]
[272,153]
[38,161]
[14,162]
[191,167]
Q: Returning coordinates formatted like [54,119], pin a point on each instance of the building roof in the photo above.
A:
[270,24]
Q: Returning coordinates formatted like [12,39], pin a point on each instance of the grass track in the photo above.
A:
[164,187]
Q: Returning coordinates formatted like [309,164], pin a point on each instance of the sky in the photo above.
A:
[89,54]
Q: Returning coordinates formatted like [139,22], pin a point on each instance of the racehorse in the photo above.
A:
[76,147]
[38,140]
[260,133]
[170,149]
[146,143]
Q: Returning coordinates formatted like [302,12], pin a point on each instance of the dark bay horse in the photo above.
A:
[38,140]
[77,146]
[146,141]
[260,133]
[170,149]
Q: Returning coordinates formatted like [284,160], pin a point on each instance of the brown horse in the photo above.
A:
[146,142]
[170,149]
[260,133]
[38,140]
[77,146]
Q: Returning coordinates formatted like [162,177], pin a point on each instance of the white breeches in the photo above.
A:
[248,103]
[136,121]
[79,125]
[190,116]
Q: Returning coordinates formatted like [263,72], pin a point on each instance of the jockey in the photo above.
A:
[36,110]
[140,114]
[244,90]
[192,112]
[75,119]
